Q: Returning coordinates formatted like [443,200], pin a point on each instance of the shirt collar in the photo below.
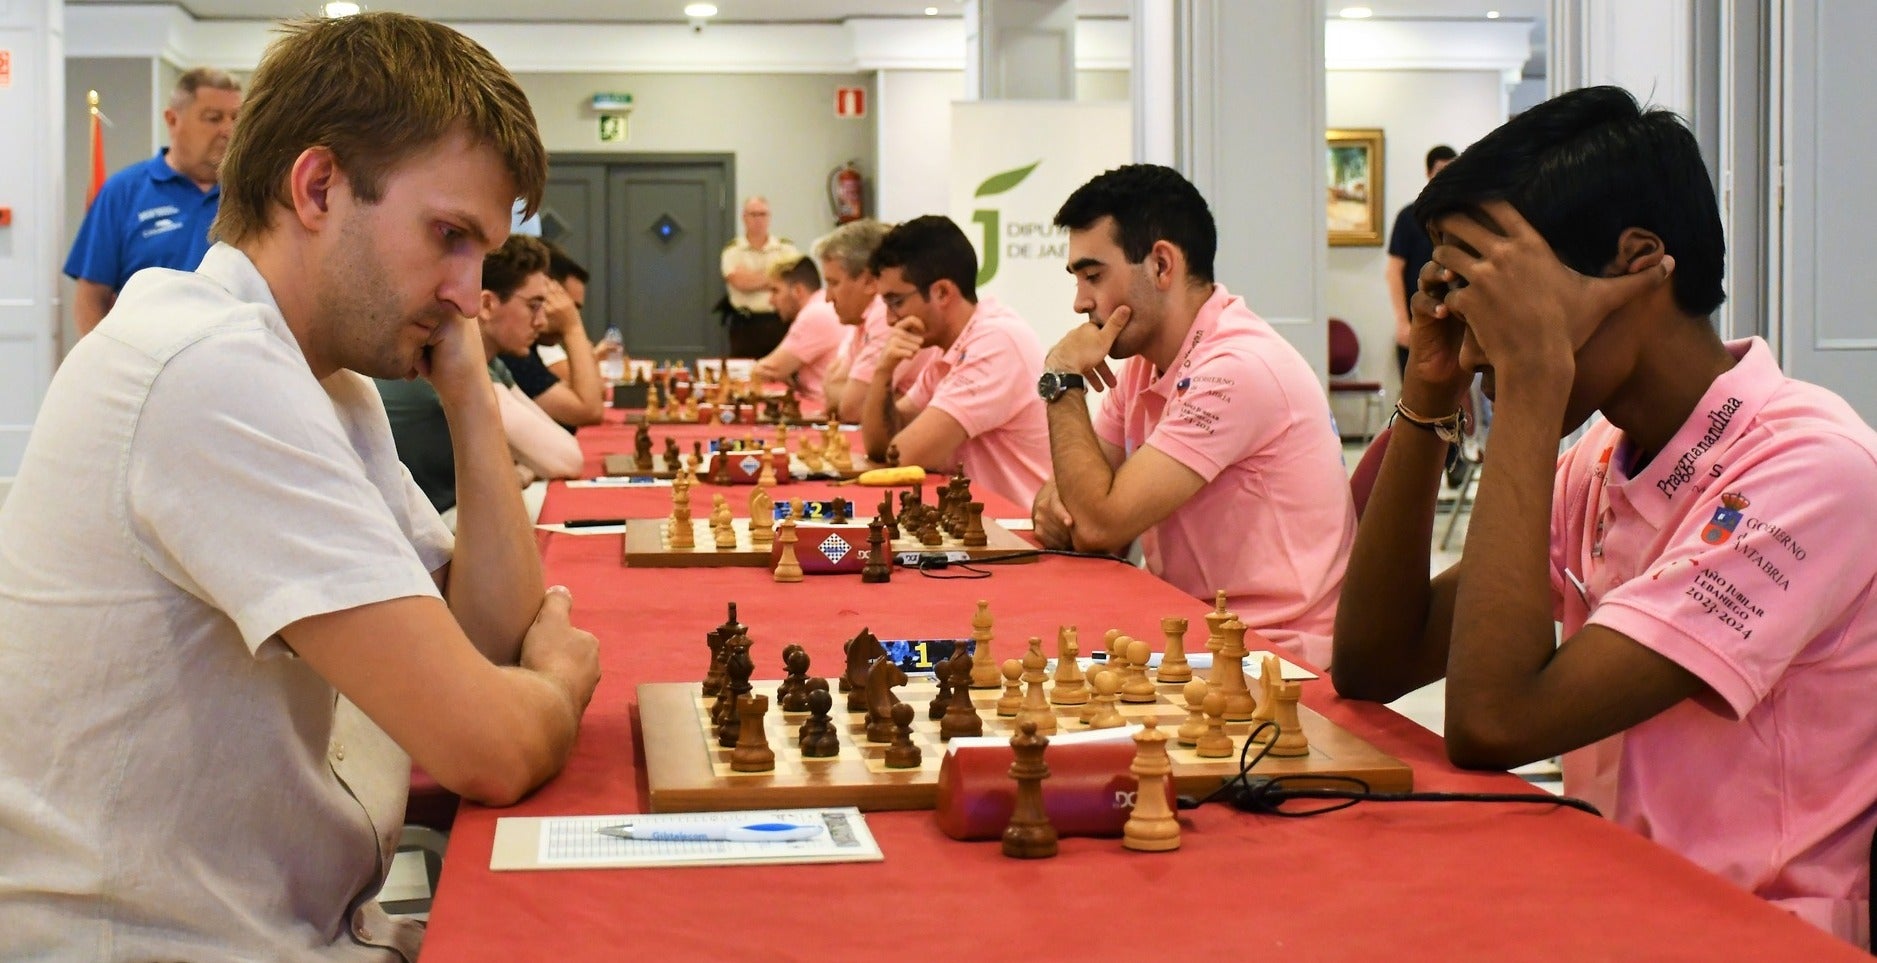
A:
[955,355]
[230,268]
[1174,380]
[161,171]
[1719,420]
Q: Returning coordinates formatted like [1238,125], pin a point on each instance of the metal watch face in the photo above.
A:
[1049,386]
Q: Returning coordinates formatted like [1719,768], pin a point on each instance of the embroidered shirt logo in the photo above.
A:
[1726,518]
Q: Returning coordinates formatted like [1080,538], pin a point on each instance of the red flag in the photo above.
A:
[97,151]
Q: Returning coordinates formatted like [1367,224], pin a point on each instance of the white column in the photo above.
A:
[1645,46]
[32,186]
[913,127]
[1250,137]
[1155,81]
[1020,49]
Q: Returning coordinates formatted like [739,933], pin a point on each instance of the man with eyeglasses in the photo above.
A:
[974,408]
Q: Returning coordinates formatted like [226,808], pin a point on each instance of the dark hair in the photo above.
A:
[928,249]
[800,271]
[1583,167]
[561,265]
[507,267]
[1149,203]
[1438,153]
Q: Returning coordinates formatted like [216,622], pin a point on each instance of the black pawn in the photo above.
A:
[941,702]
[819,740]
[796,699]
[902,754]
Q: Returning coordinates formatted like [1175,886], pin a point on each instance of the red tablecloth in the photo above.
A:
[1397,881]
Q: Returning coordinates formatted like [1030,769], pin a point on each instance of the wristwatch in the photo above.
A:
[1053,384]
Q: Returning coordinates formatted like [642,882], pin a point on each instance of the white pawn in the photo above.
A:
[1195,726]
[1107,715]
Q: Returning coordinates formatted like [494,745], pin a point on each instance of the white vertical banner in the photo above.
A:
[1013,164]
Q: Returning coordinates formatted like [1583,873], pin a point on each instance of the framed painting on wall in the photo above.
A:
[1355,187]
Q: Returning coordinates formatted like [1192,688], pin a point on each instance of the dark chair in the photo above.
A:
[428,815]
[1345,352]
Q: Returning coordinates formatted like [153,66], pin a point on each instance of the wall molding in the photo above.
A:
[164,31]
[1501,45]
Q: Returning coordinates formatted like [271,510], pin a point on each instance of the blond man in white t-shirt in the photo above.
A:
[211,552]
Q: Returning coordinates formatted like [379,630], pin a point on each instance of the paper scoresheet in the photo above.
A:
[575,842]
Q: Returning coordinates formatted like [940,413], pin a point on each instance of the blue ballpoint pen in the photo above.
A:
[722,832]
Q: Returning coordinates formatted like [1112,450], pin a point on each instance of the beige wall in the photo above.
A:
[781,127]
[915,134]
[1416,110]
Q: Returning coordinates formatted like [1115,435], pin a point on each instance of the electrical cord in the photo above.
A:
[1269,794]
[936,560]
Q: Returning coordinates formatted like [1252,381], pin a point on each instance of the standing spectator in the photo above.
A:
[1409,249]
[157,213]
[755,327]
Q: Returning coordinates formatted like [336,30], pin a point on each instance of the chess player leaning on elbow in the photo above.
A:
[971,407]
[1213,443]
[211,552]
[1707,547]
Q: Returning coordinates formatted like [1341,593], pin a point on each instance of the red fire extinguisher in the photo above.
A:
[847,193]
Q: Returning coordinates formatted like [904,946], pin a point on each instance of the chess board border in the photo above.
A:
[644,546]
[681,776]
[657,420]
[621,465]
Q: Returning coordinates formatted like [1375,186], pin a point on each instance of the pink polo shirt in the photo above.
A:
[1742,552]
[1274,522]
[987,381]
[869,339]
[814,338]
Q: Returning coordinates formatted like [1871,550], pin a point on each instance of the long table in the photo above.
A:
[1405,881]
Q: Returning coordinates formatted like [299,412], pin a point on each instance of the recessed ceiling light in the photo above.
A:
[1357,13]
[1492,14]
[340,8]
[931,11]
[700,9]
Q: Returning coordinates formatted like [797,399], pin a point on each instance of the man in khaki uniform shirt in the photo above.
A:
[755,327]
[229,621]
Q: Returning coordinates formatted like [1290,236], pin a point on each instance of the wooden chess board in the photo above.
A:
[657,417]
[688,771]
[627,465]
[648,546]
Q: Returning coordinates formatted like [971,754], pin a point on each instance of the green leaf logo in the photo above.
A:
[999,183]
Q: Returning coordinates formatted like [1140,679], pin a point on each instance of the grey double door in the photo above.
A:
[651,229]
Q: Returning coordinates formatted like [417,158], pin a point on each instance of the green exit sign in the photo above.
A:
[609,103]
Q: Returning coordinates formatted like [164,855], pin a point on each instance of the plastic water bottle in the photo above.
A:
[613,368]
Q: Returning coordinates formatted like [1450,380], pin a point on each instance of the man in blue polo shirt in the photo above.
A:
[157,213]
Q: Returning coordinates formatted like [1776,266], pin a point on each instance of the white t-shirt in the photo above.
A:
[174,784]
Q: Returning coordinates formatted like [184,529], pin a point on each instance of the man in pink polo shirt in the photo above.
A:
[814,334]
[1706,548]
[1214,447]
[853,290]
[973,408]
